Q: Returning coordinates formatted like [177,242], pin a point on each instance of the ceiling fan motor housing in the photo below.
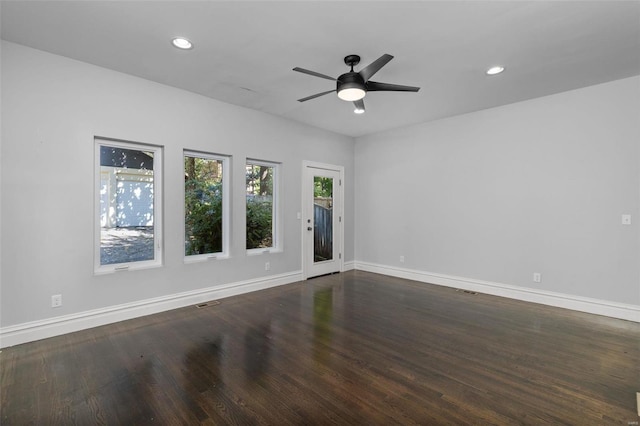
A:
[350,80]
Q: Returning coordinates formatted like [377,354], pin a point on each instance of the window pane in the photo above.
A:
[203,204]
[260,207]
[126,205]
[322,218]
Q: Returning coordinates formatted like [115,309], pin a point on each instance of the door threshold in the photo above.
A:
[323,275]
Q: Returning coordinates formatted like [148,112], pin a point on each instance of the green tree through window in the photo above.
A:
[260,205]
[203,204]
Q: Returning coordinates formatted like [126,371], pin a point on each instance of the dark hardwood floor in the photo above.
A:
[352,348]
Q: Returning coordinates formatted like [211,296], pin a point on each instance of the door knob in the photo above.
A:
[309,228]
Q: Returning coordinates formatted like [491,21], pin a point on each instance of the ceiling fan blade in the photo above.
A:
[368,71]
[373,86]
[359,104]
[317,95]
[316,74]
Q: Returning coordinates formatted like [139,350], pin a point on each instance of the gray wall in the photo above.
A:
[52,107]
[496,195]
[537,186]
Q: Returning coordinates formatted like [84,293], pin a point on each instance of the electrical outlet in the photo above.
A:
[267,266]
[56,300]
[626,219]
[537,277]
[401,259]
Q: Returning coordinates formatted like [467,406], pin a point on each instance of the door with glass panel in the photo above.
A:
[322,225]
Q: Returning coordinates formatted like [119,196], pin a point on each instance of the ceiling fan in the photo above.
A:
[353,86]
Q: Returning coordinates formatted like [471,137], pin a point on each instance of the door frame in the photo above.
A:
[307,197]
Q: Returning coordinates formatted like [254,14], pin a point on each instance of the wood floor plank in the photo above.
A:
[351,348]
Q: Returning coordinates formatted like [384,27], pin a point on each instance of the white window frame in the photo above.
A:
[158,251]
[226,201]
[276,227]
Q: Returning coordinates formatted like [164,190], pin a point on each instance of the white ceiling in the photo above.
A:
[245,51]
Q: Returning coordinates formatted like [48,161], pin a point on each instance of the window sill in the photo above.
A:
[125,267]
[260,251]
[198,258]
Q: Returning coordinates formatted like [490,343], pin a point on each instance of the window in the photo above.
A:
[129,227]
[205,205]
[261,179]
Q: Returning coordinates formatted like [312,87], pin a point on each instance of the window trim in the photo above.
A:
[158,206]
[276,228]
[226,201]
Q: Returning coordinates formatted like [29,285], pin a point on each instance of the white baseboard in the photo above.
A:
[576,303]
[350,265]
[36,330]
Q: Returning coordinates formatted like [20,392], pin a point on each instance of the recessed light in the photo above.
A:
[359,111]
[495,70]
[182,43]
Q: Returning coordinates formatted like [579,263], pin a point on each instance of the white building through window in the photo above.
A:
[128,231]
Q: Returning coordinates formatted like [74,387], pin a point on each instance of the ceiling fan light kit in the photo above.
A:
[353,86]
[351,93]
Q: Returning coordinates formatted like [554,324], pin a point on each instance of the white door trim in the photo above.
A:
[306,165]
